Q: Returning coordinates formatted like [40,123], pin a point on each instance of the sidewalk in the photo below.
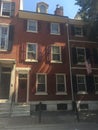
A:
[50,118]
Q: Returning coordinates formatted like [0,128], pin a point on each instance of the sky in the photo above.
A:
[70,9]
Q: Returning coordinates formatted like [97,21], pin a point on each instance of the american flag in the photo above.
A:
[88,66]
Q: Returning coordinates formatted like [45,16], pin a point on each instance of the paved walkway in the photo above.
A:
[48,118]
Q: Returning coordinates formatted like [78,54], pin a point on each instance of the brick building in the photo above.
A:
[42,59]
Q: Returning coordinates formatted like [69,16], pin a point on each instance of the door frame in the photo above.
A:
[9,63]
[20,70]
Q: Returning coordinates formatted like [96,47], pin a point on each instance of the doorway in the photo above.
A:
[22,88]
[5,79]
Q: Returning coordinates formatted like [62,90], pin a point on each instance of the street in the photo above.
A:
[72,126]
[52,121]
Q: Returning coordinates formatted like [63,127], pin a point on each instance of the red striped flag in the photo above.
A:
[88,66]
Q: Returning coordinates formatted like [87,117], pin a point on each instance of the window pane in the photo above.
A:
[56,57]
[32,51]
[42,9]
[81,79]
[6,8]
[55,28]
[41,88]
[55,49]
[32,47]
[60,79]
[41,78]
[81,87]
[3,37]
[32,25]
[61,87]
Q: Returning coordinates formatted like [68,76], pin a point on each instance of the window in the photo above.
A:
[78,31]
[4,33]
[81,83]
[31,54]
[7,8]
[32,26]
[55,54]
[60,83]
[43,9]
[96,82]
[80,55]
[55,28]
[41,86]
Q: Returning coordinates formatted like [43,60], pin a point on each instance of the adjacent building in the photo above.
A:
[45,58]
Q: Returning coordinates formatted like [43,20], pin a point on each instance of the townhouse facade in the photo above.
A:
[42,59]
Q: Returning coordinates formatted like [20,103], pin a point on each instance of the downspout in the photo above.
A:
[70,62]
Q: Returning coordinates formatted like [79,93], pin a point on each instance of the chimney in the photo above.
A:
[21,4]
[59,10]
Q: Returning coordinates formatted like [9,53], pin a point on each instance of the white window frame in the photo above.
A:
[81,31]
[2,3]
[58,29]
[79,62]
[58,92]
[96,84]
[7,37]
[38,92]
[36,26]
[84,91]
[31,60]
[60,54]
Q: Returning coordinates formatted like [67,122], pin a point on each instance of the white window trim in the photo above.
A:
[31,60]
[96,92]
[81,63]
[32,30]
[65,92]
[54,61]
[82,92]
[7,1]
[77,35]
[41,93]
[58,33]
[7,26]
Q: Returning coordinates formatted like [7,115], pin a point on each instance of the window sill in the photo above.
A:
[32,31]
[61,93]
[78,35]
[56,62]
[80,63]
[27,60]
[41,93]
[82,92]
[5,16]
[96,92]
[1,50]
[55,33]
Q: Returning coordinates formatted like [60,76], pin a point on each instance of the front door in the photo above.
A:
[5,78]
[22,88]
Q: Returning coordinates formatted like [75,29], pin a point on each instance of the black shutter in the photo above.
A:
[72,30]
[48,28]
[25,25]
[95,55]
[88,55]
[12,9]
[62,29]
[90,83]
[74,55]
[74,83]
[39,26]
[84,30]
[48,53]
[11,37]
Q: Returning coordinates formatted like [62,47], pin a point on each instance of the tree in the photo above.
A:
[89,13]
